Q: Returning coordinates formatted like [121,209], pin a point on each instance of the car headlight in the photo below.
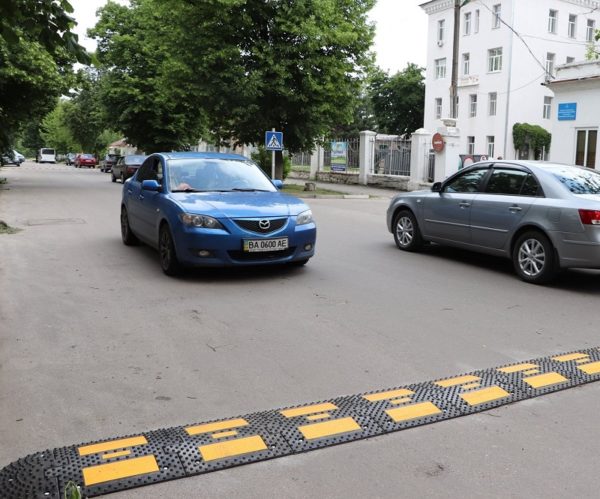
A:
[203,221]
[305,217]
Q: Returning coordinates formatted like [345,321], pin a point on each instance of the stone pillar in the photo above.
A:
[419,158]
[448,161]
[366,158]
[317,159]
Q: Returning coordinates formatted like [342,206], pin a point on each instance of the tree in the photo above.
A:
[144,89]
[37,49]
[399,100]
[55,130]
[534,137]
[233,67]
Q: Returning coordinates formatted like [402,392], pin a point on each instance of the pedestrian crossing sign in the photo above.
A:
[274,141]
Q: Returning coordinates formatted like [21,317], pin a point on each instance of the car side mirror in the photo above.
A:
[278,184]
[437,187]
[150,185]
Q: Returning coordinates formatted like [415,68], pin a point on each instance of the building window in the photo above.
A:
[552,21]
[570,60]
[438,108]
[490,146]
[591,30]
[440,31]
[470,145]
[585,154]
[466,64]
[547,108]
[467,23]
[493,99]
[572,31]
[472,105]
[497,12]
[476,22]
[440,68]
[550,57]
[495,60]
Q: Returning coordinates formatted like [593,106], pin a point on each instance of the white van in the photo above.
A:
[46,155]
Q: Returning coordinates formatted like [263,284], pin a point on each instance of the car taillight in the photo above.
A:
[590,217]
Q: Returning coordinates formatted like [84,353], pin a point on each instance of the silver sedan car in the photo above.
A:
[543,216]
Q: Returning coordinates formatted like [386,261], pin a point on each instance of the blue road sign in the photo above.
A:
[274,141]
[567,111]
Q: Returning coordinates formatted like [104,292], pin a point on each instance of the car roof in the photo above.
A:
[202,155]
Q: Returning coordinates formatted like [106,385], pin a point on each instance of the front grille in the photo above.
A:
[254,225]
[243,256]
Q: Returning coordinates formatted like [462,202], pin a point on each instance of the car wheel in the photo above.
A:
[129,238]
[534,259]
[113,178]
[166,249]
[122,178]
[406,231]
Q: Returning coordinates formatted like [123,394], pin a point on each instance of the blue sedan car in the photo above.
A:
[210,210]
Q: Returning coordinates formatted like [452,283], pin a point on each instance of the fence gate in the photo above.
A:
[392,155]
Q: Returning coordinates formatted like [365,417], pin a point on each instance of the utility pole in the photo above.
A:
[454,83]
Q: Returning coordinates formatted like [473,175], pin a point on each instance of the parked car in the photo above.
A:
[126,167]
[543,216]
[46,155]
[109,161]
[212,209]
[13,158]
[87,160]
[70,158]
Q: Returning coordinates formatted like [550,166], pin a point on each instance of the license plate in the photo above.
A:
[257,245]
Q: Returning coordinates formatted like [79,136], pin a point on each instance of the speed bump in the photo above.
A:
[126,462]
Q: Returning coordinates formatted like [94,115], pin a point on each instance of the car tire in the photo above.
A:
[128,237]
[166,251]
[534,258]
[113,178]
[406,231]
[122,178]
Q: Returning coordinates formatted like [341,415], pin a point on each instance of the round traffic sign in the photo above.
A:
[437,142]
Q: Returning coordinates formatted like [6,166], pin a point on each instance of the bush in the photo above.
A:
[262,158]
[536,137]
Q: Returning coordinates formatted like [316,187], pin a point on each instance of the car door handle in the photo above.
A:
[464,204]
[515,209]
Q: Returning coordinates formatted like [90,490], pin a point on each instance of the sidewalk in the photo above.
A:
[352,189]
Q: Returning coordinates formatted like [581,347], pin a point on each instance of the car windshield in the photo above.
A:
[578,180]
[216,174]
[47,151]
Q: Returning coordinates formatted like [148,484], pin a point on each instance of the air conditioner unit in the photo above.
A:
[440,43]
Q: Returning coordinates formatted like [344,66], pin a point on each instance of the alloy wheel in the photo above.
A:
[532,257]
[405,231]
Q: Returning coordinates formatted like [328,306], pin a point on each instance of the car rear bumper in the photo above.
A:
[579,250]
[227,249]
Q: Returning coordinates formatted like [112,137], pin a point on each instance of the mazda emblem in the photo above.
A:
[264,224]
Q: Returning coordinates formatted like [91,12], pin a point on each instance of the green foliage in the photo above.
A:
[398,101]
[37,49]
[72,491]
[232,67]
[534,136]
[263,158]
[56,131]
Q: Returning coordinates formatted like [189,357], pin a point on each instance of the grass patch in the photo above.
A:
[299,189]
[7,229]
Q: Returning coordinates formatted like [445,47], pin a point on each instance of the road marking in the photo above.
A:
[112,445]
[542,380]
[460,380]
[592,368]
[486,395]
[211,427]
[113,455]
[391,394]
[309,409]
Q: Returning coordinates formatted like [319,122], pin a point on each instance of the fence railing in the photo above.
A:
[392,156]
[431,166]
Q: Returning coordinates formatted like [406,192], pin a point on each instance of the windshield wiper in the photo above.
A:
[240,189]
[189,189]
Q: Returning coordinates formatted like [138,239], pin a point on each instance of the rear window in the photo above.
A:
[578,180]
[87,156]
[47,151]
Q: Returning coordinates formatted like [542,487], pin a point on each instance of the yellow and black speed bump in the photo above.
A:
[111,465]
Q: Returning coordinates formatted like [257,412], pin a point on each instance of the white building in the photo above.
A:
[501,70]
[576,122]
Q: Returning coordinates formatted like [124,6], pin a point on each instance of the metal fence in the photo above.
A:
[301,161]
[392,156]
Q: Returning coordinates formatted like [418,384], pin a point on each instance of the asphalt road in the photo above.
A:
[95,343]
